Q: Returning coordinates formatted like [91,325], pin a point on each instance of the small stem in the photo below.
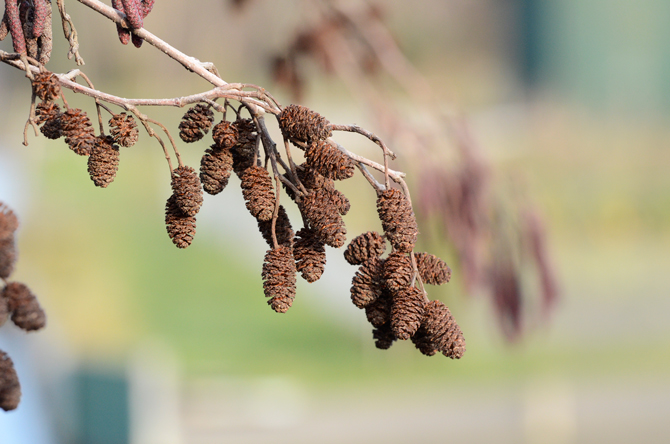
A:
[276,211]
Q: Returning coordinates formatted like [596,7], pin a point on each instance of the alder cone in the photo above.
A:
[440,331]
[279,278]
[245,149]
[258,194]
[78,131]
[196,123]
[283,229]
[340,201]
[10,389]
[397,271]
[328,161]
[302,124]
[26,311]
[368,282]
[48,115]
[187,190]
[379,311]
[103,163]
[309,252]
[180,226]
[124,129]
[215,168]
[407,310]
[8,221]
[225,134]
[7,256]
[46,86]
[398,221]
[383,336]
[324,218]
[365,246]
[432,269]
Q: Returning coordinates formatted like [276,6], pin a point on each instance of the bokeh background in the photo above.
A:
[150,344]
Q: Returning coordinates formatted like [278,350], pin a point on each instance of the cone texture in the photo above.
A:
[7,256]
[328,161]
[339,200]
[215,168]
[46,86]
[283,229]
[407,312]
[196,123]
[397,271]
[78,131]
[433,270]
[309,252]
[8,222]
[124,129]
[103,163]
[279,278]
[186,189]
[180,226]
[4,308]
[398,221]
[439,329]
[258,193]
[48,115]
[368,284]
[379,312]
[324,218]
[26,311]
[364,247]
[300,123]
[383,336]
[10,389]
[225,134]
[245,149]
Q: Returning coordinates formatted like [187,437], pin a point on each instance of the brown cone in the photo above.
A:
[46,86]
[283,229]
[397,271]
[26,311]
[215,168]
[196,123]
[407,311]
[258,193]
[383,336]
[340,201]
[324,218]
[225,134]
[379,312]
[279,278]
[433,270]
[123,129]
[310,254]
[7,256]
[329,161]
[103,163]
[10,389]
[440,329]
[186,189]
[364,246]
[48,114]
[302,124]
[423,343]
[8,221]
[78,131]
[398,221]
[180,226]
[367,284]
[245,149]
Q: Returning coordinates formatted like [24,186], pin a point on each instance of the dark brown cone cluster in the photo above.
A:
[46,86]
[26,311]
[439,332]
[310,254]
[196,123]
[398,221]
[363,247]
[328,161]
[379,311]
[279,278]
[225,134]
[10,389]
[323,216]
[48,115]
[180,226]
[407,311]
[383,336]
[124,129]
[258,193]
[397,271]
[368,282]
[103,163]
[432,269]
[215,168]
[283,229]
[78,131]
[186,190]
[302,124]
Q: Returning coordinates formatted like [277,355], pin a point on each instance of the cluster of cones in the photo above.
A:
[16,303]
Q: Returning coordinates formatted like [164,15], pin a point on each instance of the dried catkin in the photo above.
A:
[363,247]
[124,129]
[440,330]
[8,221]
[48,114]
[302,124]
[46,86]
[225,134]
[397,271]
[398,221]
[328,161]
[283,229]
[78,131]
[10,389]
[340,201]
[26,311]
[187,190]
[103,163]
[196,123]
[407,310]
[7,256]
[379,312]
[180,226]
[279,278]
[309,252]
[368,282]
[383,336]
[216,166]
[258,193]
[432,269]
[324,217]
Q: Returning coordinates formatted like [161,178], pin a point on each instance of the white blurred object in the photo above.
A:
[550,413]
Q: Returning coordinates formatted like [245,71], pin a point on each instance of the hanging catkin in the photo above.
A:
[187,190]
[78,131]
[432,269]
[367,284]
[196,123]
[398,221]
[440,332]
[383,336]
[407,311]
[397,271]
[258,193]
[225,135]
[123,129]
[324,218]
[363,247]
[103,162]
[180,226]
[379,311]
[215,168]
[48,115]
[310,254]
[283,229]
[26,311]
[46,86]
[328,161]
[302,124]
[279,278]
[10,389]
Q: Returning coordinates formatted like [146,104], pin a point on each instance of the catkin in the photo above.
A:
[103,162]
[398,221]
[279,278]
[302,124]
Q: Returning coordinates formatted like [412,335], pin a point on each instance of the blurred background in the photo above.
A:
[568,105]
